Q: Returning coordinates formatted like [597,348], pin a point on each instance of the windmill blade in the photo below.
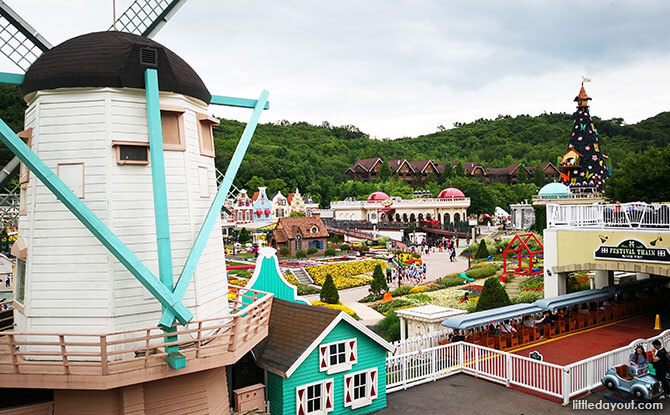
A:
[18,40]
[147,17]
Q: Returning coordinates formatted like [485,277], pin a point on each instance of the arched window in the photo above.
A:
[298,242]
[447,219]
[420,217]
[457,217]
[412,218]
[404,217]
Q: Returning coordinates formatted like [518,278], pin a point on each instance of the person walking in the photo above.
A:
[389,273]
[661,363]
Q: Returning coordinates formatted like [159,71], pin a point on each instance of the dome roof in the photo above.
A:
[554,189]
[451,193]
[377,196]
[112,59]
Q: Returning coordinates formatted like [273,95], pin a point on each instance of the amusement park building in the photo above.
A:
[449,207]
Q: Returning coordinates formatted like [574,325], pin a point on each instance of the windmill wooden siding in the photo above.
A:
[78,126]
[282,392]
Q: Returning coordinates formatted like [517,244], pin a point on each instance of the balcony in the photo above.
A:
[112,360]
[637,215]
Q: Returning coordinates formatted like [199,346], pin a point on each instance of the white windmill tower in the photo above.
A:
[118,195]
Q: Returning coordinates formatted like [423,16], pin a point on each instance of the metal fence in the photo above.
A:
[564,382]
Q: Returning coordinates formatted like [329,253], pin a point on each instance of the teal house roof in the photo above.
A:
[554,189]
[268,277]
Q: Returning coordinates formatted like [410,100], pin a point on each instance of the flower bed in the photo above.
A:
[291,279]
[342,272]
[340,307]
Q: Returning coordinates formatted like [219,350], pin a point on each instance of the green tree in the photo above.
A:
[389,327]
[459,171]
[297,214]
[244,236]
[447,172]
[493,295]
[385,172]
[482,251]
[378,284]
[284,251]
[12,111]
[522,175]
[276,185]
[330,251]
[539,178]
[300,253]
[643,177]
[329,293]
[253,184]
[345,247]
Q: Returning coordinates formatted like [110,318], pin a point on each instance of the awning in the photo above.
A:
[387,211]
[571,299]
[486,317]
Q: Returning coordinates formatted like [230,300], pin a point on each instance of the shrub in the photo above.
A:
[312,250]
[389,327]
[363,248]
[402,290]
[244,236]
[330,251]
[345,247]
[419,297]
[284,251]
[391,305]
[493,295]
[482,251]
[482,271]
[370,298]
[307,289]
[526,297]
[450,280]
[328,292]
[378,284]
[300,253]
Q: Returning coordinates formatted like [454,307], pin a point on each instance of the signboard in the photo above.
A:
[632,250]
[535,355]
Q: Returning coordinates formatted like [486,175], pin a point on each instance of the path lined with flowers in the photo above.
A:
[437,266]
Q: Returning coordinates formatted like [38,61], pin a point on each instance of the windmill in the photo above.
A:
[32,53]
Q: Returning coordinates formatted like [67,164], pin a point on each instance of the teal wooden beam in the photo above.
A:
[236,102]
[94,224]
[174,359]
[11,78]
[167,319]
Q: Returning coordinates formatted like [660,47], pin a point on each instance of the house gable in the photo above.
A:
[370,354]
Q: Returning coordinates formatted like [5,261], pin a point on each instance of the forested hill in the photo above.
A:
[302,154]
[314,158]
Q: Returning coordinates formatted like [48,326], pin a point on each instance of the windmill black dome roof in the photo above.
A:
[112,59]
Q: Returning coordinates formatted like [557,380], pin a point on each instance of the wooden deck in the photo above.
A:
[111,360]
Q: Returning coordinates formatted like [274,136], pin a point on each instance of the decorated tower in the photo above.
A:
[583,166]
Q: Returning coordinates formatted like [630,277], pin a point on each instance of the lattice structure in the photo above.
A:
[146,17]
[18,40]
[9,207]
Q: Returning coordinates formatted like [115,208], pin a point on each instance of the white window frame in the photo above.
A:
[327,397]
[350,356]
[371,388]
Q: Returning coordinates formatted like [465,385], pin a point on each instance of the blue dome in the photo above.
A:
[554,189]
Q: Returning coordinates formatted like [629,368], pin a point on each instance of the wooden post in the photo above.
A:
[103,355]
[146,349]
[12,349]
[199,341]
[234,332]
[63,352]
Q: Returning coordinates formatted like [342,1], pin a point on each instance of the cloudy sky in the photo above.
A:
[401,68]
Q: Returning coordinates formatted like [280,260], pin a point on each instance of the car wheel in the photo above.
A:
[639,394]
[610,385]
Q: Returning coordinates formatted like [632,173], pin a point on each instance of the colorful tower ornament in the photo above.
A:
[583,166]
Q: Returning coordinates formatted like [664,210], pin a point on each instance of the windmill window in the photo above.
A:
[20,280]
[205,135]
[72,174]
[149,57]
[172,126]
[203,181]
[131,152]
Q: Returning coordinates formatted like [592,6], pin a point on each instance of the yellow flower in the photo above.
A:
[417,289]
[340,307]
[342,272]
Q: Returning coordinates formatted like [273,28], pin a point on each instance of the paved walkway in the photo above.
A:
[437,266]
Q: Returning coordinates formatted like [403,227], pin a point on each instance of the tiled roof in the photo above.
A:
[582,95]
[396,164]
[288,228]
[368,164]
[441,166]
[254,197]
[468,166]
[293,328]
[498,171]
[420,165]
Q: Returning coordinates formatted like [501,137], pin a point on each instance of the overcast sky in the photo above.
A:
[401,68]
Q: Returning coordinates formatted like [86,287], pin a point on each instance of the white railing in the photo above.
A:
[399,204]
[412,344]
[564,382]
[624,215]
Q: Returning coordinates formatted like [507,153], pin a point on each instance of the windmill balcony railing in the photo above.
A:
[85,360]
[636,215]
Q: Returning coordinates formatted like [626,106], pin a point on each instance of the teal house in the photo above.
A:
[319,361]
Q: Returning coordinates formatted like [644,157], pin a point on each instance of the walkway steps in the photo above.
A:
[513,287]
[302,276]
